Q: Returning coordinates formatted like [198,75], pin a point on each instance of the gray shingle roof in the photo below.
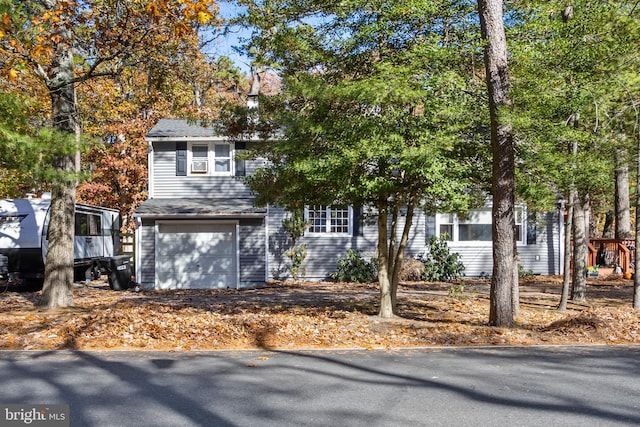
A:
[198,207]
[181,128]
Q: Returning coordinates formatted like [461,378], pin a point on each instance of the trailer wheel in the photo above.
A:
[95,272]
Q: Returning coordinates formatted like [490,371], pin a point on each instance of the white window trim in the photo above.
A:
[327,233]
[211,158]
[456,234]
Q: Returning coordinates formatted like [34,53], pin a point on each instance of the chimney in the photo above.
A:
[254,92]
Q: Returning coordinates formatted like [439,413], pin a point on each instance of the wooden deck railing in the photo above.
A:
[611,253]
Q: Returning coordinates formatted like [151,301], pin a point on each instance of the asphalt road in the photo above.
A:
[521,386]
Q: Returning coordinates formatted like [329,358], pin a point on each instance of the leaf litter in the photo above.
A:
[294,315]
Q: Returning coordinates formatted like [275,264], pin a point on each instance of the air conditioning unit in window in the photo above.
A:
[199,166]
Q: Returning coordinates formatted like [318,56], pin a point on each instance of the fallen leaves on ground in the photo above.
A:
[289,315]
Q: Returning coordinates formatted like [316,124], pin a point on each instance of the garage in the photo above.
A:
[196,255]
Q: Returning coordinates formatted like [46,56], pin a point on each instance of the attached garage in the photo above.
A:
[200,244]
[196,255]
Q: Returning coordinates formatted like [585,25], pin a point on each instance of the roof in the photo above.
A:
[181,128]
[201,208]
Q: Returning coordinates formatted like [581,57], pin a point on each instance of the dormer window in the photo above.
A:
[210,159]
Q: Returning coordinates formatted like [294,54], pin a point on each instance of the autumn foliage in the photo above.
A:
[135,62]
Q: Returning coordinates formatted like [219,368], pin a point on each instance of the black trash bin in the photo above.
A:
[119,270]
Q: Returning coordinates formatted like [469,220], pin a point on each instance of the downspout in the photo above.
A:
[561,231]
[137,248]
[150,168]
[266,245]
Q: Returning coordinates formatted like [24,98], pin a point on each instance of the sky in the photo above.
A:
[226,44]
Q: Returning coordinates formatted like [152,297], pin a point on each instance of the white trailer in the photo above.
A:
[23,237]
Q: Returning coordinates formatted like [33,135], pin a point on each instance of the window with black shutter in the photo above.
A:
[181,159]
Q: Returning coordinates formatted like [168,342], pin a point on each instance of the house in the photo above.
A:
[200,229]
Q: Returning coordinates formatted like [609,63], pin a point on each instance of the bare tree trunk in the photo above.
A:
[568,229]
[580,251]
[515,285]
[566,275]
[636,276]
[622,206]
[608,230]
[399,256]
[503,180]
[386,300]
[58,275]
[586,204]
[391,256]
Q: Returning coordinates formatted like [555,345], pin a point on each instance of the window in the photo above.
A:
[222,154]
[199,159]
[446,225]
[328,219]
[210,159]
[12,220]
[475,226]
[87,225]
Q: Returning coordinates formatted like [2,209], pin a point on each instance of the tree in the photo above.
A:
[622,206]
[580,240]
[573,90]
[65,42]
[375,105]
[503,228]
[636,276]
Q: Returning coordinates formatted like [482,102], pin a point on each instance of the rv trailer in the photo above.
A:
[23,238]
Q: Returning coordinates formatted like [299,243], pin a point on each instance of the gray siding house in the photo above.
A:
[200,229]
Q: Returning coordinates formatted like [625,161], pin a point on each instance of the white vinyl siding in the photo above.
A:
[252,253]
[167,185]
[541,254]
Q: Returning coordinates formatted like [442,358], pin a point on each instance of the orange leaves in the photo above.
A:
[152,8]
[333,315]
[187,12]
[12,74]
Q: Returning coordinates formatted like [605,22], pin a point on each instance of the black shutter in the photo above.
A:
[181,159]
[357,226]
[241,169]
[532,229]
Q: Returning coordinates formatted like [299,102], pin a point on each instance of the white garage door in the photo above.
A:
[196,256]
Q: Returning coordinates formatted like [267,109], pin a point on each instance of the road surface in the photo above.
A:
[489,386]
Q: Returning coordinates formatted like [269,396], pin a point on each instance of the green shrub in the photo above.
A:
[439,263]
[294,225]
[456,291]
[354,268]
[524,273]
[297,255]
